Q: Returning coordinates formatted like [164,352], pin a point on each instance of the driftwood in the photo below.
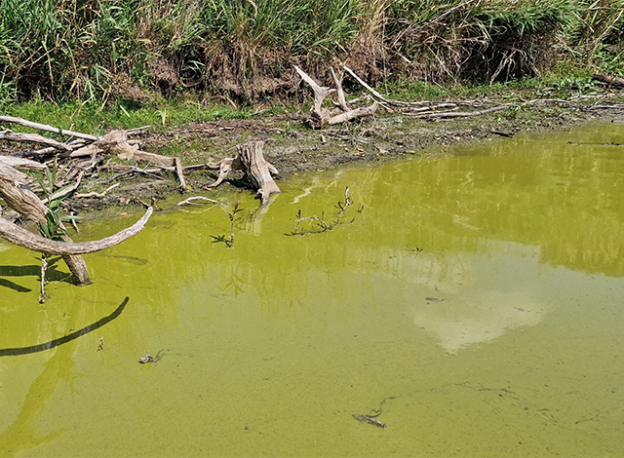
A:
[46,128]
[257,170]
[115,142]
[14,191]
[27,204]
[22,237]
[35,138]
[322,116]
[21,163]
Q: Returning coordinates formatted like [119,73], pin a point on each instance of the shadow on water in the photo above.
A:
[32,271]
[65,339]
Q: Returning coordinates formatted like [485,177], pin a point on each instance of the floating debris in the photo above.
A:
[433,299]
[146,359]
[370,421]
[152,359]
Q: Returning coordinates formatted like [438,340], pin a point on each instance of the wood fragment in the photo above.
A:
[73,145]
[11,136]
[342,101]
[352,114]
[224,166]
[320,92]
[597,144]
[463,114]
[149,173]
[21,163]
[88,150]
[321,115]
[96,194]
[191,200]
[257,170]
[178,166]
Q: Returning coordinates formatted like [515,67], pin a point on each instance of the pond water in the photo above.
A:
[475,305]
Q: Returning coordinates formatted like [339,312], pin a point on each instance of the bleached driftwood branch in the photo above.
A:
[21,237]
[322,116]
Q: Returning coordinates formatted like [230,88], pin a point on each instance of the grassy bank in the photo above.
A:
[241,50]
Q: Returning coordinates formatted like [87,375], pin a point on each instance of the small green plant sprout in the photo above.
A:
[52,228]
[319,223]
[231,212]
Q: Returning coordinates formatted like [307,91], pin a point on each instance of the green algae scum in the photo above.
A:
[472,303]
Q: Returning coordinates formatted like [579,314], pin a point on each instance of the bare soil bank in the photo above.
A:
[291,147]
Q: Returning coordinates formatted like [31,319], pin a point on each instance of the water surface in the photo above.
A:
[474,305]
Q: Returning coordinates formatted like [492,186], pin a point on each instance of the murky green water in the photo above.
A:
[476,304]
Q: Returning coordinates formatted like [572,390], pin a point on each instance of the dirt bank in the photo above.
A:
[292,147]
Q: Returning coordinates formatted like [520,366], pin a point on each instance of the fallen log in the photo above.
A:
[21,237]
[251,162]
[117,142]
[462,114]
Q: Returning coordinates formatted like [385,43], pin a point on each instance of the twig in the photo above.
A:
[138,130]
[455,114]
[134,170]
[190,201]
[97,194]
[44,267]
[597,144]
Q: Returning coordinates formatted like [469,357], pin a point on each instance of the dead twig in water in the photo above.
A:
[323,225]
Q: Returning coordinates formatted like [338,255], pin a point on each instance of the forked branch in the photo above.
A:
[321,115]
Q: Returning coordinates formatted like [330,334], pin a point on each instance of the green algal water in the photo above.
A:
[474,306]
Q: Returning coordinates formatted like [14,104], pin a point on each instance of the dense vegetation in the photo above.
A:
[242,49]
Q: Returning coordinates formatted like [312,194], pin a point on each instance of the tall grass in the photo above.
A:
[97,49]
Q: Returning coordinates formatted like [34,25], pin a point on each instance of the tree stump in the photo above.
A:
[251,162]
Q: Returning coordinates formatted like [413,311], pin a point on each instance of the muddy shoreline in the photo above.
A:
[292,147]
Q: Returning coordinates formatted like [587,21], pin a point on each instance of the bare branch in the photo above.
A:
[21,237]
[46,128]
